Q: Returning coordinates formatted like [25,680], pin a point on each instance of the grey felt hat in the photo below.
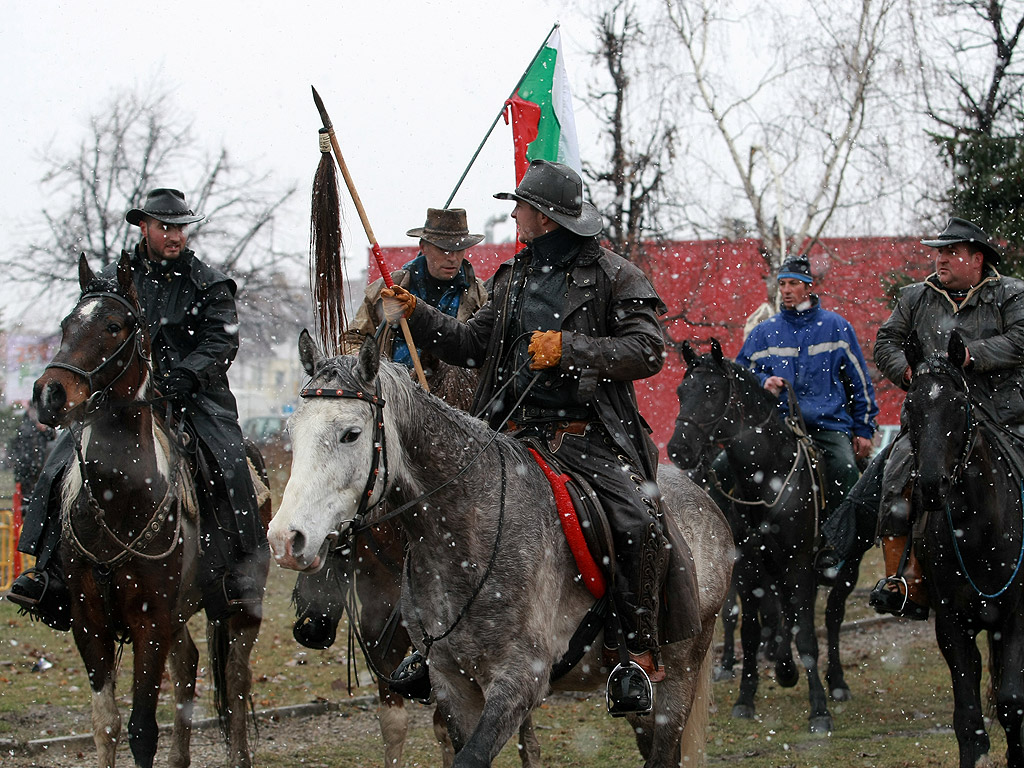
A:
[166,205]
[556,190]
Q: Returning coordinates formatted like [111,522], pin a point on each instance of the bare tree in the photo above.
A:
[630,185]
[797,132]
[136,143]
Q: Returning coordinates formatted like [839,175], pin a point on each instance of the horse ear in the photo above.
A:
[85,274]
[125,284]
[716,350]
[957,350]
[309,354]
[913,350]
[369,359]
[689,355]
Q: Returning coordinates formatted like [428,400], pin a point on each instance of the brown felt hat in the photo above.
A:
[166,205]
[447,229]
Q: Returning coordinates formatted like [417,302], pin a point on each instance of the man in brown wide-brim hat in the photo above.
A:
[440,275]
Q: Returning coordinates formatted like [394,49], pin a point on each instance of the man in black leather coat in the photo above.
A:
[193,325]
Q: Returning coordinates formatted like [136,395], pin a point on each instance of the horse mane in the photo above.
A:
[747,378]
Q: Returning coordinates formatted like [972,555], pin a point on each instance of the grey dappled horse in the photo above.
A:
[490,576]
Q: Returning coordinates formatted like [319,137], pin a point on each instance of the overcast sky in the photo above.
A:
[410,85]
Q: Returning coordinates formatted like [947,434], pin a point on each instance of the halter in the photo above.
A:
[378,458]
[96,398]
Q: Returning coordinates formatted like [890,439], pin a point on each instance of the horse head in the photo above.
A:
[710,410]
[938,417]
[337,447]
[104,349]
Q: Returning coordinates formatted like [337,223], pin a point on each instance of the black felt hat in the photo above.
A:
[556,190]
[166,205]
[963,231]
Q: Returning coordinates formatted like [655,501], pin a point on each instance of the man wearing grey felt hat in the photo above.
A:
[568,327]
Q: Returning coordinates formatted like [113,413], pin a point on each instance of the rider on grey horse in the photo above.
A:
[568,327]
[190,312]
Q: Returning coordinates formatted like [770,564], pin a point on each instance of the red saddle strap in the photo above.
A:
[593,578]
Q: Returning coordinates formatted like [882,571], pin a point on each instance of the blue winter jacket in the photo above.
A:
[817,352]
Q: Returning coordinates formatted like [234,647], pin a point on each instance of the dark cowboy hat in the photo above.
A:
[963,231]
[447,229]
[166,205]
[556,190]
[798,267]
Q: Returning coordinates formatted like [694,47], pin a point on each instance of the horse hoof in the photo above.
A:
[786,674]
[841,694]
[721,674]
[743,712]
[821,724]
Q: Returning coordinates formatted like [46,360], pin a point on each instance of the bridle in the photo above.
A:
[132,343]
[97,399]
[378,458]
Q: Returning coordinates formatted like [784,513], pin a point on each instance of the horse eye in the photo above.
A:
[350,435]
[113,328]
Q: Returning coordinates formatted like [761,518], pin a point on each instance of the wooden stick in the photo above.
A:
[385,273]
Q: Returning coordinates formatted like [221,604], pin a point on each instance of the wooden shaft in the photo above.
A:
[384,272]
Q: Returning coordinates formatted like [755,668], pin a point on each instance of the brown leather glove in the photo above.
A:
[397,303]
[545,349]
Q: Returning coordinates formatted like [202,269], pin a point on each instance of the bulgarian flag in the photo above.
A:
[543,126]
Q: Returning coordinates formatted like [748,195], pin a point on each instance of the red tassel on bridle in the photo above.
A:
[326,281]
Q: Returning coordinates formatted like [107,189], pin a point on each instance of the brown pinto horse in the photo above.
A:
[129,538]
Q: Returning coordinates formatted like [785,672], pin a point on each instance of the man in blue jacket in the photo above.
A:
[816,352]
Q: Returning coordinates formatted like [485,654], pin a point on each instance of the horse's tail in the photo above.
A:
[695,732]
[218,647]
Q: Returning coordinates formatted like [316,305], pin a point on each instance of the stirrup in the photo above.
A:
[629,691]
[894,601]
[412,678]
[47,606]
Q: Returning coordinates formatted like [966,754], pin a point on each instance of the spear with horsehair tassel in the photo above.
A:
[326,281]
[374,246]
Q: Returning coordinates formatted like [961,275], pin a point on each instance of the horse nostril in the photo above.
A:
[298,543]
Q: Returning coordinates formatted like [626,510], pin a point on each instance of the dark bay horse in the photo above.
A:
[968,508]
[723,406]
[129,543]
[490,589]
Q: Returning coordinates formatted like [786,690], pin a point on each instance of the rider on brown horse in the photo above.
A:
[568,328]
[193,326]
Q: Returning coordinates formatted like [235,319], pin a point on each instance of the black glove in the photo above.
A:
[180,385]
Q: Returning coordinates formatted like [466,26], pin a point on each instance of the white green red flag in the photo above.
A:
[543,125]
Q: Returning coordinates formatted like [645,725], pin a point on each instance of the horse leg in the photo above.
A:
[802,594]
[236,676]
[1006,662]
[835,613]
[960,650]
[394,724]
[528,746]
[750,640]
[97,651]
[507,702]
[151,643]
[730,614]
[776,634]
[184,662]
[444,741]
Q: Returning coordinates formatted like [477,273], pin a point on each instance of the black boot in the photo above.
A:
[412,678]
[629,691]
[43,595]
[232,592]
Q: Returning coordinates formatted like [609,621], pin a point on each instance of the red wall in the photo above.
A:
[712,286]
